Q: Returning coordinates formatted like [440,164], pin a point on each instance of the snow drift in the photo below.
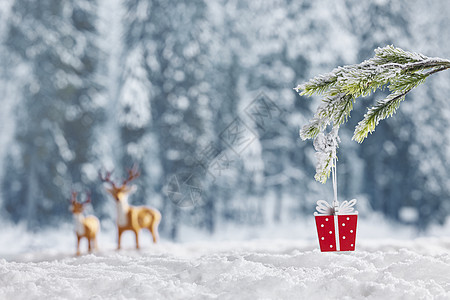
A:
[259,269]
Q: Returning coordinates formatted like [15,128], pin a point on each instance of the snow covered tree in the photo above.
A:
[398,70]
[170,42]
[54,43]
[135,101]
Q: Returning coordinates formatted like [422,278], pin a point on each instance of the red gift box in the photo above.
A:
[336,226]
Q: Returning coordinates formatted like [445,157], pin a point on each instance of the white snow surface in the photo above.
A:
[284,268]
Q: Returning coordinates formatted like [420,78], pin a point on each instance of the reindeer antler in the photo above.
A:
[133,173]
[88,197]
[73,197]
[107,177]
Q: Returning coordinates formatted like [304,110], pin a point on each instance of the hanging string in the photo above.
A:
[334,179]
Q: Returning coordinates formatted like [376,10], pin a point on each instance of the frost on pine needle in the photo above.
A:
[393,68]
[325,146]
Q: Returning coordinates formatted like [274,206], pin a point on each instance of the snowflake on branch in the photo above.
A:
[398,70]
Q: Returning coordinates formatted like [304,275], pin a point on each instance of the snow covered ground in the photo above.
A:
[261,268]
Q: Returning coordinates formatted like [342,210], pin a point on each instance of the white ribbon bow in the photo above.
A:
[346,207]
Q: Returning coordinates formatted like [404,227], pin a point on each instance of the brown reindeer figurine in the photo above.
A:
[86,227]
[129,217]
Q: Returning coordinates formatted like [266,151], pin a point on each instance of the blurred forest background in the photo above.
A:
[200,95]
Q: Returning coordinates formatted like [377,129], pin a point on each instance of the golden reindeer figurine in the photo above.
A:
[129,217]
[86,227]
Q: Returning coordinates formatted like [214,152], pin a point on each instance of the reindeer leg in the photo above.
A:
[153,233]
[78,244]
[136,232]
[89,244]
[119,239]
[154,226]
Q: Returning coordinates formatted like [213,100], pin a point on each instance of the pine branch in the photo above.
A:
[439,69]
[390,53]
[313,128]
[382,110]
[398,70]
[323,169]
[325,146]
[317,85]
[343,109]
[406,82]
[334,109]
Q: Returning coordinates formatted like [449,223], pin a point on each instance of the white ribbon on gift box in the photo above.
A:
[324,208]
